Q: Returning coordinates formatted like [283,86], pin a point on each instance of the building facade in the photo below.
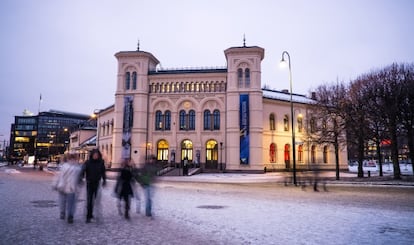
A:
[43,135]
[214,118]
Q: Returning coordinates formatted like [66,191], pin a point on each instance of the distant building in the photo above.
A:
[46,134]
[214,118]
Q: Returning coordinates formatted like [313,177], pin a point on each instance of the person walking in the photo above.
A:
[146,178]
[94,170]
[123,187]
[66,183]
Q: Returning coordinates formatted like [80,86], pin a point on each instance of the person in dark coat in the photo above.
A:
[123,187]
[94,170]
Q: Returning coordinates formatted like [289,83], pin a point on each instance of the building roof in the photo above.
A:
[64,114]
[90,141]
[187,70]
[278,95]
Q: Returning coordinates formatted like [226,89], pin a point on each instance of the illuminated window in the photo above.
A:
[162,150]
[325,154]
[272,153]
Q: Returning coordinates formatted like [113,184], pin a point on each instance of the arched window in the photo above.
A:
[167,118]
[312,125]
[325,154]
[158,120]
[127,81]
[187,150]
[183,123]
[240,77]
[272,122]
[247,77]
[300,153]
[300,124]
[216,119]
[272,152]
[211,154]
[191,120]
[287,155]
[162,150]
[286,123]
[313,154]
[207,120]
[134,80]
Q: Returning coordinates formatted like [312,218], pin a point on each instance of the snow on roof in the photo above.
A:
[277,95]
[90,141]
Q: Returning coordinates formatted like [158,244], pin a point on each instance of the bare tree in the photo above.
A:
[356,119]
[407,106]
[329,110]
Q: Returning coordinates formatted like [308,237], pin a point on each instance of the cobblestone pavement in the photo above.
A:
[207,213]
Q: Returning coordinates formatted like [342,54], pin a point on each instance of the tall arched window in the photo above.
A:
[313,154]
[158,120]
[240,77]
[191,120]
[300,153]
[127,80]
[272,152]
[207,120]
[216,119]
[287,156]
[183,123]
[312,125]
[167,119]
[162,150]
[286,123]
[247,77]
[300,124]
[325,154]
[272,122]
[134,80]
[211,154]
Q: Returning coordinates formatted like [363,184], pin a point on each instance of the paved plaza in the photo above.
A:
[197,211]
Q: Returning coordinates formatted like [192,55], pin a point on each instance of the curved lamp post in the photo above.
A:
[283,63]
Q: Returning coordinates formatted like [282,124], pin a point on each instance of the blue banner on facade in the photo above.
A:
[244,129]
[127,127]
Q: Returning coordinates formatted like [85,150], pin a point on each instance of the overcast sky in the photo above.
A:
[65,50]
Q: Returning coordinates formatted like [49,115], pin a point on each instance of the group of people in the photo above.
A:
[72,175]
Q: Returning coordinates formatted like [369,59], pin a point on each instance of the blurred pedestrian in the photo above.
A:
[66,183]
[124,187]
[94,170]
[146,177]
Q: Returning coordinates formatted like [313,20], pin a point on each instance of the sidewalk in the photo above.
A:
[346,178]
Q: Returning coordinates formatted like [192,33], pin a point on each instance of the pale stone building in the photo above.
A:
[212,118]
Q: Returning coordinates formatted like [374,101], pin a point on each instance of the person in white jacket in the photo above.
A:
[66,183]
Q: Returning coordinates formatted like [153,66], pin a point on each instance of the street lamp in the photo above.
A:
[283,63]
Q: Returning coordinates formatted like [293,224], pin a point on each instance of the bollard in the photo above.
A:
[369,174]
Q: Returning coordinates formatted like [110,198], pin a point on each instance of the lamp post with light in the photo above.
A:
[283,62]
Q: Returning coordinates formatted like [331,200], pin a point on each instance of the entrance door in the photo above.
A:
[187,151]
[162,151]
[211,154]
